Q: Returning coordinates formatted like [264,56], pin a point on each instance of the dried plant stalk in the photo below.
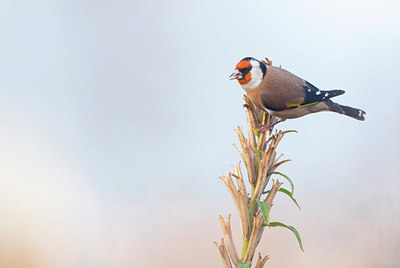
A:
[261,261]
[224,254]
[247,155]
[272,193]
[255,237]
[226,227]
[241,203]
[259,156]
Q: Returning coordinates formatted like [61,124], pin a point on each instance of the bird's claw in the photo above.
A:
[269,127]
[264,128]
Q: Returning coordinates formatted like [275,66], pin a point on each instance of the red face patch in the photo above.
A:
[241,65]
[246,79]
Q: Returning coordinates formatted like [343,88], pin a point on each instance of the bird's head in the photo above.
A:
[249,72]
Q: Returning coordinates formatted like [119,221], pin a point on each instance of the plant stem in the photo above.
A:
[251,213]
[253,202]
[245,245]
[252,208]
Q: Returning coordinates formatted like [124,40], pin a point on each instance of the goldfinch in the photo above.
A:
[284,94]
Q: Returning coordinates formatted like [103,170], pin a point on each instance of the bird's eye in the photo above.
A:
[247,69]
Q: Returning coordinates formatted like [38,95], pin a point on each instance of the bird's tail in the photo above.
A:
[346,110]
[353,112]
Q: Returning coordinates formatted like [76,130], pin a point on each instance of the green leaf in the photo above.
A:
[243,265]
[291,228]
[264,210]
[283,190]
[286,177]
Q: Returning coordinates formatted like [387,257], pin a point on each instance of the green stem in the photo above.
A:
[253,202]
[245,246]
[252,208]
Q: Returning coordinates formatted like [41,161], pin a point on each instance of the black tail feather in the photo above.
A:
[353,112]
[346,110]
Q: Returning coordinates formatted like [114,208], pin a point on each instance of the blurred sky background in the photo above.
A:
[117,119]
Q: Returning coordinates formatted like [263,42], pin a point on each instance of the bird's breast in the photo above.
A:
[254,96]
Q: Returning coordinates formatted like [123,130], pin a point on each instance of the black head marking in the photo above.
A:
[263,67]
[248,58]
[246,70]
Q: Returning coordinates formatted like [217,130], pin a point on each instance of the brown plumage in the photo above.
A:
[284,94]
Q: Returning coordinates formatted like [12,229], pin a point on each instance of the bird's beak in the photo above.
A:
[236,75]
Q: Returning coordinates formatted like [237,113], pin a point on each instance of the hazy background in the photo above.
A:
[117,119]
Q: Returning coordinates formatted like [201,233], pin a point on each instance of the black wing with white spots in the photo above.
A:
[314,95]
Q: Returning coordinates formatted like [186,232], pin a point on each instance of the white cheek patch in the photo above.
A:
[256,76]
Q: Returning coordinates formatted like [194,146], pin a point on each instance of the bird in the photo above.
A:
[285,95]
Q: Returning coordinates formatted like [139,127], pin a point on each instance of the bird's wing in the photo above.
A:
[315,95]
[283,90]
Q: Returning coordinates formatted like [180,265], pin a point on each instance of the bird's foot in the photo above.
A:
[269,127]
